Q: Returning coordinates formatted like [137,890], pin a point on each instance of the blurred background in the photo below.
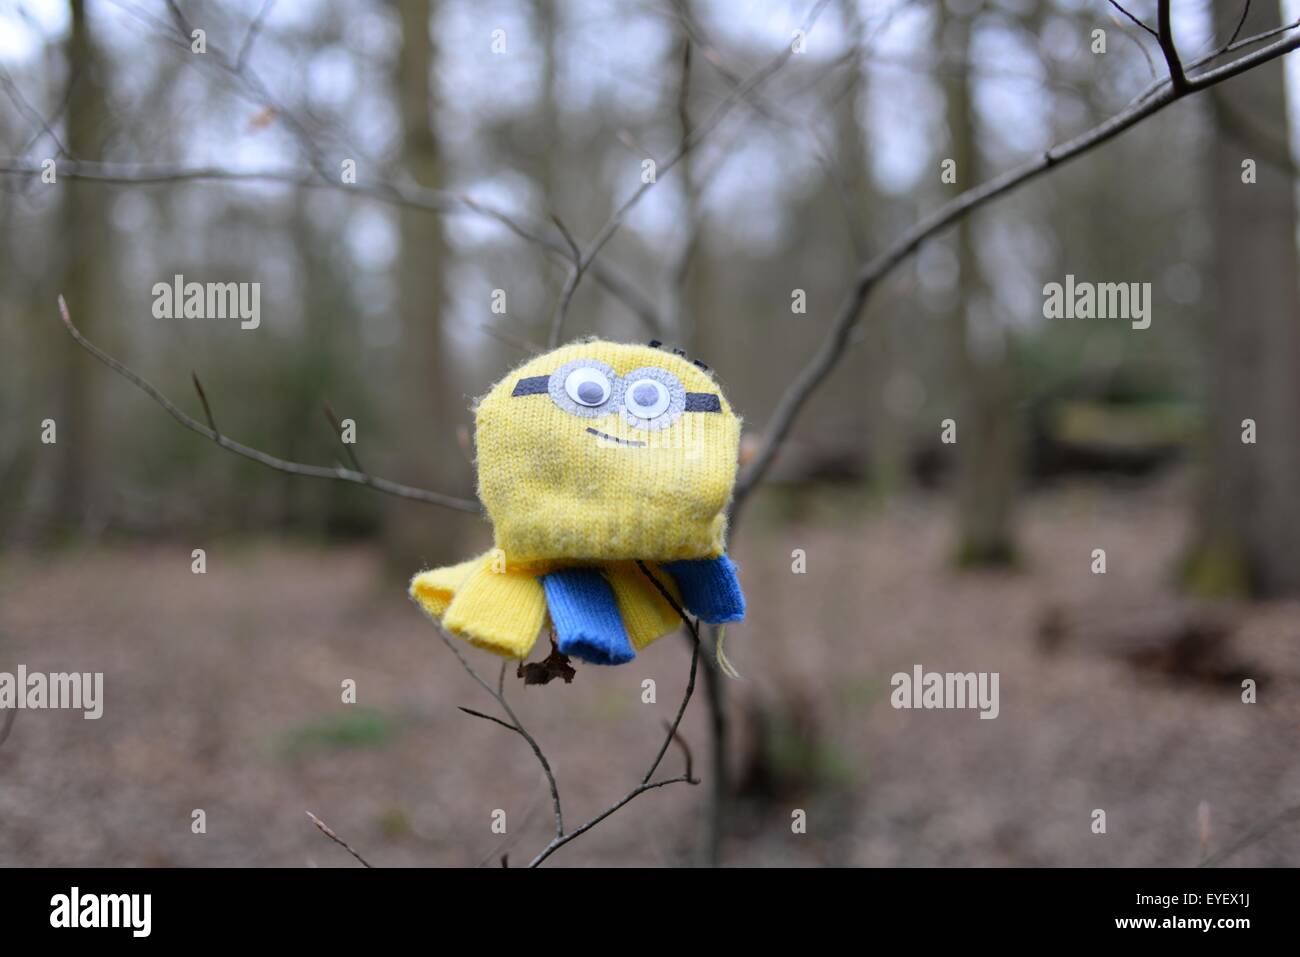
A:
[872,546]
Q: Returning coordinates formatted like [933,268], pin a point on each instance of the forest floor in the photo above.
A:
[223,694]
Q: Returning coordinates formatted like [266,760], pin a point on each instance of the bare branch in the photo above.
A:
[646,784]
[45,128]
[569,241]
[487,717]
[1137,41]
[270,461]
[250,38]
[872,272]
[337,426]
[510,338]
[823,153]
[514,725]
[408,195]
[1177,78]
[1134,19]
[329,832]
[689,142]
[203,398]
[694,628]
[617,805]
[1158,87]
[253,89]
[1253,836]
[677,736]
[1245,12]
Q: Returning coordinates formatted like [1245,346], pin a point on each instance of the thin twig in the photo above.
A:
[45,128]
[329,832]
[487,717]
[584,828]
[689,142]
[574,252]
[646,784]
[403,195]
[516,726]
[1253,836]
[203,398]
[694,628]
[1245,12]
[1134,19]
[386,486]
[521,343]
[7,724]
[254,30]
[348,450]
[1233,47]
[680,738]
[1177,78]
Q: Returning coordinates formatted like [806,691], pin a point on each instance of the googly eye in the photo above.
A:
[647,398]
[651,398]
[587,386]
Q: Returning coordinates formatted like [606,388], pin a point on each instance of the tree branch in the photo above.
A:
[1253,836]
[514,724]
[329,832]
[689,142]
[410,196]
[645,784]
[1134,19]
[828,354]
[209,432]
[1177,78]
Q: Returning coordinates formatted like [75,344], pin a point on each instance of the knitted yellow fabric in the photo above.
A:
[503,611]
[596,454]
[554,489]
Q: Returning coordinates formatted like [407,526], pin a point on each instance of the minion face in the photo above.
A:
[603,451]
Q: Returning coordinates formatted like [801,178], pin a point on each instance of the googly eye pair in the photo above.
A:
[648,398]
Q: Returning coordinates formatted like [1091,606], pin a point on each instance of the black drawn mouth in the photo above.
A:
[612,438]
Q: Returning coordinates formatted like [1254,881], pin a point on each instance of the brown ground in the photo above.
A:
[223,693]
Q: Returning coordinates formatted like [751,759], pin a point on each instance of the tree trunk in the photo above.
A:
[429,406]
[82,239]
[880,363]
[988,445]
[1249,512]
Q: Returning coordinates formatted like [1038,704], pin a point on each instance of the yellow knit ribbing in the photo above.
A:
[553,489]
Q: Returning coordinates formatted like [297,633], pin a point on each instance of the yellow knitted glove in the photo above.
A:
[595,456]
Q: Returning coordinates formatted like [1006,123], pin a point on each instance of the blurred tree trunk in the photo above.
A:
[429,406]
[549,142]
[886,459]
[81,255]
[1249,512]
[686,294]
[688,276]
[987,436]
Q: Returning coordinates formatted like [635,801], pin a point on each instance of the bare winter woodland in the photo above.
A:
[1005,291]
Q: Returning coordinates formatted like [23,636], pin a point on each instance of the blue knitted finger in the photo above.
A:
[710,589]
[586,617]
